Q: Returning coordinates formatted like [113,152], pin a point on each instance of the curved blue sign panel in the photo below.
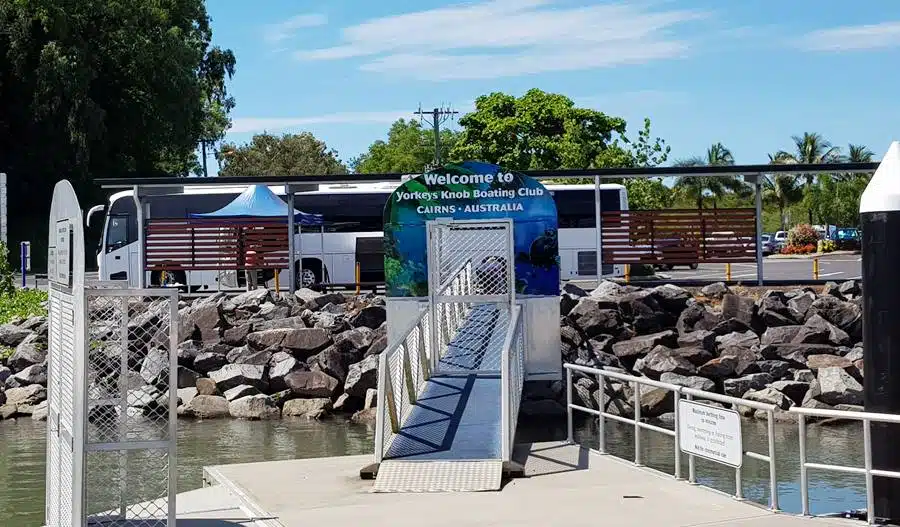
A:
[469,191]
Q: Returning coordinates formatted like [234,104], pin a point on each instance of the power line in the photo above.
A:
[438,116]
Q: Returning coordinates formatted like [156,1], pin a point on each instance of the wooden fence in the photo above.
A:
[215,245]
[679,237]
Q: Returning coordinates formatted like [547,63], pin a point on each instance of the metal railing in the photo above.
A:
[868,470]
[512,375]
[403,369]
[678,391]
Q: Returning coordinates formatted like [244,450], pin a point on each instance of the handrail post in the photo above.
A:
[804,483]
[692,465]
[570,426]
[677,435]
[738,483]
[637,423]
[870,493]
[773,475]
[601,422]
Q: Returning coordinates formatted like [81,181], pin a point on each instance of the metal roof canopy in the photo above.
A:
[602,173]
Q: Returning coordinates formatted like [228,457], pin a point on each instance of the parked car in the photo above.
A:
[847,239]
[779,241]
[767,243]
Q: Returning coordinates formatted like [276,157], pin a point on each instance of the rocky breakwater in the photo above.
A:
[253,356]
[796,347]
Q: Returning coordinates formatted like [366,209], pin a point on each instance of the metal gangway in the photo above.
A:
[449,388]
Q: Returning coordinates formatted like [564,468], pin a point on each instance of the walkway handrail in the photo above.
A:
[403,368]
[678,392]
[512,377]
[868,471]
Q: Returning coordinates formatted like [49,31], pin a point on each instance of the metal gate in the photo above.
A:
[471,287]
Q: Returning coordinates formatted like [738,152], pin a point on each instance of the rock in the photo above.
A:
[806,376]
[794,390]
[769,395]
[362,376]
[28,395]
[187,353]
[237,336]
[40,411]
[593,320]
[7,411]
[778,369]
[816,404]
[720,367]
[817,330]
[240,391]
[346,403]
[838,387]
[31,350]
[716,290]
[850,288]
[354,341]
[371,400]
[232,375]
[333,362]
[695,317]
[5,373]
[696,356]
[771,319]
[695,382]
[662,360]
[858,364]
[293,322]
[779,335]
[740,308]
[854,355]
[571,289]
[378,345]
[370,317]
[206,386]
[280,369]
[206,407]
[746,340]
[672,298]
[566,303]
[795,353]
[34,374]
[206,362]
[312,384]
[609,289]
[698,339]
[303,343]
[186,395]
[746,359]
[254,407]
[656,401]
[739,386]
[186,378]
[309,408]
[845,315]
[248,355]
[155,367]
[643,344]
[365,416]
[251,299]
[818,362]
[799,305]
[314,300]
[12,335]
[832,289]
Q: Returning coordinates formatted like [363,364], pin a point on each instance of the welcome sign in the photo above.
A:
[469,191]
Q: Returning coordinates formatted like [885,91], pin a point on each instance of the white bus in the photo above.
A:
[353,216]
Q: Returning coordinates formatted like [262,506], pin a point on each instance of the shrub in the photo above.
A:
[22,303]
[802,235]
[799,249]
[826,246]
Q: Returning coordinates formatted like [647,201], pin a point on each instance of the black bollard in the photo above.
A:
[879,213]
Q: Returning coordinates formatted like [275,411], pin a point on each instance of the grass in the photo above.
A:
[23,303]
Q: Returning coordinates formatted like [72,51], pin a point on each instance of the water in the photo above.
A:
[214,442]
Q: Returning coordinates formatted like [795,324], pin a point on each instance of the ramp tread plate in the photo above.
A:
[439,476]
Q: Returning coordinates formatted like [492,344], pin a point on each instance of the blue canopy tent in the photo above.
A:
[258,201]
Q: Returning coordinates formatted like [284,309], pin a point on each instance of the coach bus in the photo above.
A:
[352,233]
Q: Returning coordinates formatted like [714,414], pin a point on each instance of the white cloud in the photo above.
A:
[853,38]
[285,30]
[271,124]
[499,38]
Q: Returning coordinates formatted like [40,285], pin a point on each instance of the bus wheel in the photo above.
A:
[307,277]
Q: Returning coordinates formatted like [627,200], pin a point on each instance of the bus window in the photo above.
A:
[116,232]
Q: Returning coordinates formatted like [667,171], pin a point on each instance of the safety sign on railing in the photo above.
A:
[710,432]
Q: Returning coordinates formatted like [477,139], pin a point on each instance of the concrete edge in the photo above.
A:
[259,516]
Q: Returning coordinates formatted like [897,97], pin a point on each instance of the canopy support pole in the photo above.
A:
[322,249]
[142,246]
[292,285]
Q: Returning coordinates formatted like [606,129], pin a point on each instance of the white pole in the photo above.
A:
[759,254]
[599,234]
[141,252]
[292,283]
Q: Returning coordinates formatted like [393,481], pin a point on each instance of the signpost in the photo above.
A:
[710,432]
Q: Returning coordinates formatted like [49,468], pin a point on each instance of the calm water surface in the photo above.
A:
[22,454]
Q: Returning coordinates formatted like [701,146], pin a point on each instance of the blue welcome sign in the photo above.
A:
[469,191]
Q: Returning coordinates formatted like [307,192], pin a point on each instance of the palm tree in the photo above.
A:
[811,148]
[859,154]
[781,190]
[696,187]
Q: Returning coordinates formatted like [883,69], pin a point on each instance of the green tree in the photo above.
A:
[100,88]
[835,201]
[648,194]
[539,130]
[288,155]
[810,148]
[409,149]
[695,188]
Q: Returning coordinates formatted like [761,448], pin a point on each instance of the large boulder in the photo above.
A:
[693,381]
[354,341]
[370,317]
[740,308]
[155,367]
[641,345]
[799,305]
[202,322]
[794,390]
[187,353]
[817,330]
[362,376]
[845,315]
[312,384]
[333,362]
[737,387]
[206,407]
[695,317]
[746,360]
[248,355]
[779,335]
[672,298]
[237,335]
[836,386]
[309,408]
[208,361]
[594,320]
[12,335]
[282,365]
[769,395]
[27,395]
[254,407]
[698,339]
[303,343]
[778,369]
[32,349]
[295,322]
[240,391]
[746,340]
[795,353]
[716,290]
[821,361]
[251,300]
[232,375]
[34,374]
[719,367]
[662,360]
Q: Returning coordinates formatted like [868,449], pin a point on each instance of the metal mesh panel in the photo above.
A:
[478,249]
[61,407]
[517,377]
[129,437]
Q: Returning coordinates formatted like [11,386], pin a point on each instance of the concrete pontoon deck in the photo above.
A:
[564,485]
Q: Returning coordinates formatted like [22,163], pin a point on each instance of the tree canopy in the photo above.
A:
[103,89]
[409,149]
[287,155]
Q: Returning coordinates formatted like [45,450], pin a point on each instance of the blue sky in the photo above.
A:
[749,74]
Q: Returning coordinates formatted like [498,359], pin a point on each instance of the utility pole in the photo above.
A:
[438,117]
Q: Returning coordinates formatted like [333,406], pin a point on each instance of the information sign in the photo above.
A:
[710,432]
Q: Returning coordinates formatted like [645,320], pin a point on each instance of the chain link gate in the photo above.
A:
[471,285]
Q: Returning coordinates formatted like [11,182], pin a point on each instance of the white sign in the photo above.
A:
[710,432]
[60,254]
